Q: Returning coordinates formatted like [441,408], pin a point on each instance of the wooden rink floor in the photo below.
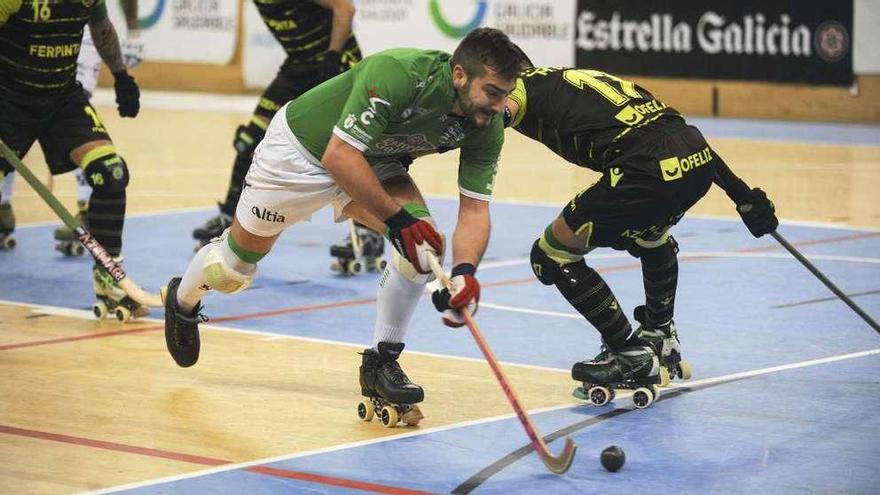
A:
[89,405]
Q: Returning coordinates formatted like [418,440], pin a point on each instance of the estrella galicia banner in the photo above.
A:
[766,40]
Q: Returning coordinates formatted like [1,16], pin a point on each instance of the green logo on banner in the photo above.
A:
[453,31]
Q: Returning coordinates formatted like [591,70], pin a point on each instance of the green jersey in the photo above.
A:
[396,104]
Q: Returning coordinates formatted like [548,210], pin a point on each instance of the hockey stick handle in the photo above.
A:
[85,237]
[557,465]
[822,278]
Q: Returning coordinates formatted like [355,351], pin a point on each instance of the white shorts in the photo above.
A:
[286,184]
[88,64]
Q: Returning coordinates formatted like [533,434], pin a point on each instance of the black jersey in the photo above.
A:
[580,113]
[303,29]
[40,42]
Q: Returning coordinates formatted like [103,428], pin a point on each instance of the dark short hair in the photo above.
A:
[487,47]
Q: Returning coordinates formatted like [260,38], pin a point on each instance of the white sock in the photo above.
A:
[6,188]
[194,286]
[395,304]
[83,189]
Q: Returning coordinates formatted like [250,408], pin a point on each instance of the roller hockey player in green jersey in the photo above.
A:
[41,100]
[654,167]
[342,144]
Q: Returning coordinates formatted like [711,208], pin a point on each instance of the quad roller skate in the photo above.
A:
[664,340]
[635,369]
[7,226]
[361,250]
[214,227]
[388,391]
[68,244]
[112,299]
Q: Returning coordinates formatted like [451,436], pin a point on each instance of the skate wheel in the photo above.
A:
[355,267]
[76,249]
[8,244]
[642,397]
[685,371]
[389,417]
[99,309]
[366,411]
[664,376]
[599,395]
[380,265]
[122,313]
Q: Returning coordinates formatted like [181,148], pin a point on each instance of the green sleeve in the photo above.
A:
[478,162]
[99,11]
[381,89]
[8,8]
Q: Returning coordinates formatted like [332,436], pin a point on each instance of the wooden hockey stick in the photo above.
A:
[556,464]
[88,241]
[822,278]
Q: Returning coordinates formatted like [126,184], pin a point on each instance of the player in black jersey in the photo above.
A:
[319,43]
[40,100]
[654,167]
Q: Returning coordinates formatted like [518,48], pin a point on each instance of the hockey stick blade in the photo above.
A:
[556,464]
[84,236]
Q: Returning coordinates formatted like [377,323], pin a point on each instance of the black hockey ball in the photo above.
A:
[612,458]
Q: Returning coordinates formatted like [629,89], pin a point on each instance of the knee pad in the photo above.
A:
[105,171]
[547,261]
[247,137]
[220,274]
[659,251]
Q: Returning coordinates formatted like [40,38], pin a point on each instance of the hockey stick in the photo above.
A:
[557,465]
[822,278]
[88,241]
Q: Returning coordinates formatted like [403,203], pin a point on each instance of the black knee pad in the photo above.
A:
[545,269]
[659,254]
[247,137]
[108,175]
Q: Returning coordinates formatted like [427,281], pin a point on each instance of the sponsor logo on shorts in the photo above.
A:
[267,215]
[674,168]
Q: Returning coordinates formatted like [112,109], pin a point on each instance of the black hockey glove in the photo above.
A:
[127,94]
[331,66]
[758,213]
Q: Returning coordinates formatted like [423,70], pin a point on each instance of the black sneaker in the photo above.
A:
[181,329]
[381,375]
[212,228]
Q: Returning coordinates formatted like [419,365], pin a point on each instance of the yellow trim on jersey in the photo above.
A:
[519,96]
[8,8]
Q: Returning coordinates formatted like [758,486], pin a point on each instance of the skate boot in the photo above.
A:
[664,340]
[361,250]
[212,228]
[7,227]
[181,328]
[635,369]
[387,388]
[112,299]
[68,244]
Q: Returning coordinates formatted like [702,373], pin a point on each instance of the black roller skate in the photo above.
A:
[68,244]
[635,369]
[362,250]
[212,228]
[664,340]
[181,328]
[7,226]
[112,299]
[387,388]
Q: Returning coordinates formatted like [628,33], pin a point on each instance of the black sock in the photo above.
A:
[106,217]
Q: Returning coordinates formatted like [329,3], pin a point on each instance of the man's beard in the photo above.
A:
[468,108]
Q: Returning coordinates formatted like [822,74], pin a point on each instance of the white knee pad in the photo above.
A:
[222,275]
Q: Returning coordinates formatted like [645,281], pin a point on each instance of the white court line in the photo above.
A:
[531,311]
[324,450]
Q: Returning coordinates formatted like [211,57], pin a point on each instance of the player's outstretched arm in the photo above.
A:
[132,46]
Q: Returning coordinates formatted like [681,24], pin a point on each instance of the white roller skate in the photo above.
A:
[387,389]
[664,340]
[112,299]
[7,227]
[633,369]
[361,250]
[68,244]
